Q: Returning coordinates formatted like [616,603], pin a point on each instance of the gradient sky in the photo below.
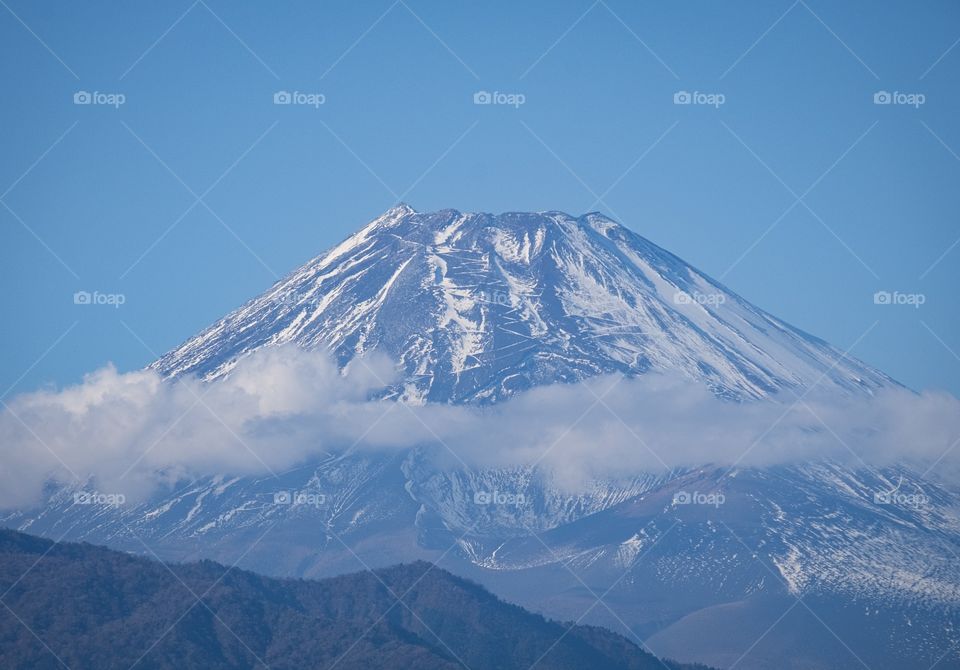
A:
[798,192]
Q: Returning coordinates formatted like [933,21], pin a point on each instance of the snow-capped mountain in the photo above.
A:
[806,565]
[476,307]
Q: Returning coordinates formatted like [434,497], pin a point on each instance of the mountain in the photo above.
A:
[808,565]
[127,612]
[477,307]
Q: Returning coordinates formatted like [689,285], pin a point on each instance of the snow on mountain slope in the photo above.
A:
[476,307]
[884,576]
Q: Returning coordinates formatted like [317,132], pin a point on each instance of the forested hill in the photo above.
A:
[82,606]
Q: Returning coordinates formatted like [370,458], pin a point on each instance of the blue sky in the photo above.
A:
[197,192]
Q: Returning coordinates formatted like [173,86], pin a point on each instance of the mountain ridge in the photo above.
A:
[204,615]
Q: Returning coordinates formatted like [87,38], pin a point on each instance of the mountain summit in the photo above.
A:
[476,307]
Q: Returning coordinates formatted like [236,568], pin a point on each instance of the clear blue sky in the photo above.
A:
[599,130]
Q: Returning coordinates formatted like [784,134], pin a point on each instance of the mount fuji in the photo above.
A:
[477,307]
[800,567]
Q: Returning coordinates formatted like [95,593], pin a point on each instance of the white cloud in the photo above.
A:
[282,406]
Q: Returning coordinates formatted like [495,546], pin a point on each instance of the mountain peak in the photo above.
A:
[477,307]
[400,209]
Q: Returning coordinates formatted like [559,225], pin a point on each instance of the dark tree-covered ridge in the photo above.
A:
[100,609]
